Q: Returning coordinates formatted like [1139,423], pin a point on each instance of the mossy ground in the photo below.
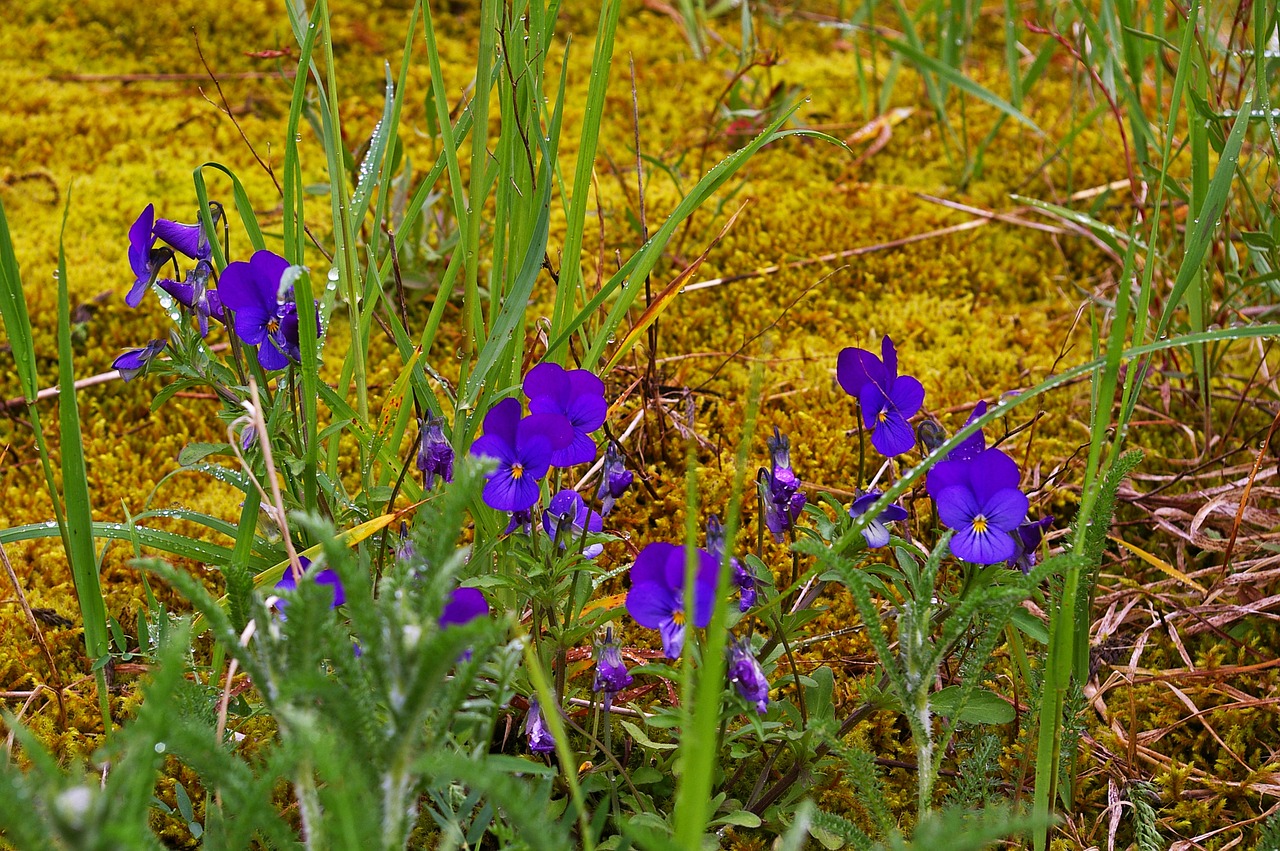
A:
[975,314]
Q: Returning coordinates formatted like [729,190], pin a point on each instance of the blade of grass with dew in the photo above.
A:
[1110,235]
[295,253]
[344,256]
[390,127]
[75,483]
[513,307]
[700,742]
[1197,297]
[171,543]
[571,263]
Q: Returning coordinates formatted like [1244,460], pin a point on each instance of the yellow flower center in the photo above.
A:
[517,471]
[980,525]
[882,416]
[273,325]
[677,618]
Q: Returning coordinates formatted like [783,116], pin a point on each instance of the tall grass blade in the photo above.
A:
[75,483]
[571,266]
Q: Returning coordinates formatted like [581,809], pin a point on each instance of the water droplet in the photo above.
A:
[333,274]
[161,747]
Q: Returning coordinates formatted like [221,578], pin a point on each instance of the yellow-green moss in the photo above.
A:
[975,314]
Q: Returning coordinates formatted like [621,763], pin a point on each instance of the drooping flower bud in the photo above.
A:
[535,728]
[611,672]
[435,455]
[615,479]
[747,676]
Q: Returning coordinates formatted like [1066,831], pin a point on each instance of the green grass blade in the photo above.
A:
[171,543]
[13,311]
[1215,201]
[75,483]
[960,81]
[244,207]
[571,264]
[700,741]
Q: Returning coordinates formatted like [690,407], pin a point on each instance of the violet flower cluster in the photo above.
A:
[565,408]
[148,260]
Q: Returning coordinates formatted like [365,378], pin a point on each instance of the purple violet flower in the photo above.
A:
[611,672]
[535,727]
[144,258]
[134,362]
[565,518]
[876,531]
[188,239]
[574,394]
[979,498]
[262,319]
[747,676]
[327,577]
[974,443]
[888,400]
[743,578]
[657,596]
[523,450]
[615,478]
[783,503]
[783,482]
[435,455]
[464,606]
[1027,538]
